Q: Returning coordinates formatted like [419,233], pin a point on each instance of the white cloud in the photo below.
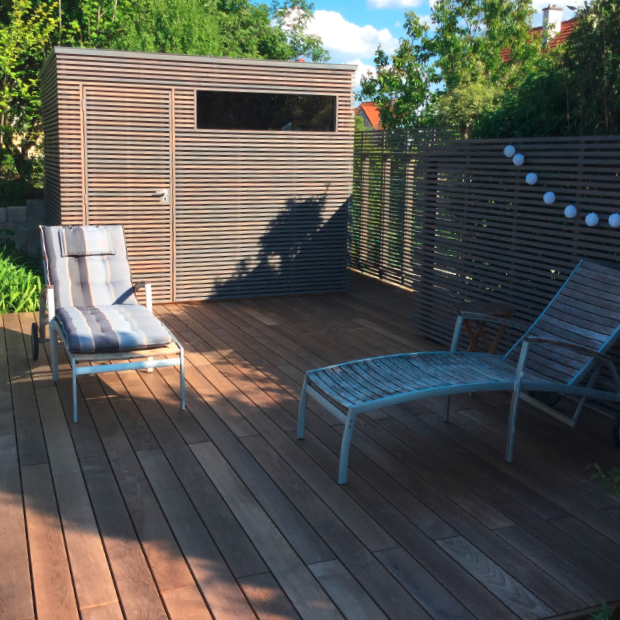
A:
[362,69]
[339,35]
[394,4]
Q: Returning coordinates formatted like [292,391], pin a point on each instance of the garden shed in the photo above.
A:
[231,176]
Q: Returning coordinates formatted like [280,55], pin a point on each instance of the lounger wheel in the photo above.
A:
[34,341]
[617,430]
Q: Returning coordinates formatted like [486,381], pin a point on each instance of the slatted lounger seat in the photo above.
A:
[90,305]
[562,352]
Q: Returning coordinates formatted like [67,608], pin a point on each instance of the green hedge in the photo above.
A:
[21,279]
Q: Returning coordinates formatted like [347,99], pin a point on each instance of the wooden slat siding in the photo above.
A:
[128,156]
[229,187]
[71,144]
[51,146]
[218,230]
[479,232]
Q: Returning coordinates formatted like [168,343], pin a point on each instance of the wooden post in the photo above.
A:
[385,214]
[364,210]
[410,167]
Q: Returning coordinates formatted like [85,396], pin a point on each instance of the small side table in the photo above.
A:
[493,309]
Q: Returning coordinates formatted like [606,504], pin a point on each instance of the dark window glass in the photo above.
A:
[264,111]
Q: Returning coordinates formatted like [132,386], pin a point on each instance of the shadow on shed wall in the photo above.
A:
[299,253]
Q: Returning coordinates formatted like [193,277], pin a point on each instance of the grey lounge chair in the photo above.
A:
[562,352]
[89,303]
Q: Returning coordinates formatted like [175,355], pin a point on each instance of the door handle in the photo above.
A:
[161,192]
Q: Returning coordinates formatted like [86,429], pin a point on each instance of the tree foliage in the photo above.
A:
[29,28]
[592,70]
[24,44]
[483,70]
[575,91]
[455,70]
[234,28]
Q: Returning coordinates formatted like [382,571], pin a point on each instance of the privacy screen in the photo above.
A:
[264,111]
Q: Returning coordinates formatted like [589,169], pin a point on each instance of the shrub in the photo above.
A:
[605,613]
[15,193]
[609,482]
[20,279]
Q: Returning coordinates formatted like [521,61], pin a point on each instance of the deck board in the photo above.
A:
[218,512]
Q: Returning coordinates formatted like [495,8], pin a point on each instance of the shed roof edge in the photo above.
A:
[302,66]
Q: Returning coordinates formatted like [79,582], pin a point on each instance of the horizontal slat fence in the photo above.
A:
[385,178]
[455,221]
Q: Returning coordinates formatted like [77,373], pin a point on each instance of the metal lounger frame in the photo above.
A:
[47,316]
[519,386]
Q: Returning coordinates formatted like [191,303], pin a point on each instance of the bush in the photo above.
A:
[15,193]
[21,279]
[573,91]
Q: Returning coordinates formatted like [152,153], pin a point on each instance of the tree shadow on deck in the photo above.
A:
[120,491]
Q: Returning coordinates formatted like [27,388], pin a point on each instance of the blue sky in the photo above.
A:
[351,30]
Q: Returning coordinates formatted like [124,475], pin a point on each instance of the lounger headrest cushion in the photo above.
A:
[84,241]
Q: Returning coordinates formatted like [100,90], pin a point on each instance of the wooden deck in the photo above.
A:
[142,511]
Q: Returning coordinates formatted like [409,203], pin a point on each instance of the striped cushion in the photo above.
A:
[84,241]
[83,280]
[111,328]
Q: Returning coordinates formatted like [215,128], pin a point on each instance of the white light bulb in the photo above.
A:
[549,198]
[570,211]
[592,219]
[518,159]
[614,220]
[510,150]
[531,178]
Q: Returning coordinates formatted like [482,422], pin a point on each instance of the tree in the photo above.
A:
[535,107]
[234,28]
[452,73]
[24,44]
[29,28]
[575,89]
[592,68]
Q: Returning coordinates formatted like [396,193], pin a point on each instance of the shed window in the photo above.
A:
[264,111]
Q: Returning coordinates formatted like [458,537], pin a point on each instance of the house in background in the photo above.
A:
[369,113]
[554,30]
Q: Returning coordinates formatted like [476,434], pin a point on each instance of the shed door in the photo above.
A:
[128,175]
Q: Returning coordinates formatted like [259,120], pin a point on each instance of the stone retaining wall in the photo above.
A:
[24,223]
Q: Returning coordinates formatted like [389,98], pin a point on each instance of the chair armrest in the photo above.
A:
[46,298]
[149,293]
[489,318]
[569,345]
